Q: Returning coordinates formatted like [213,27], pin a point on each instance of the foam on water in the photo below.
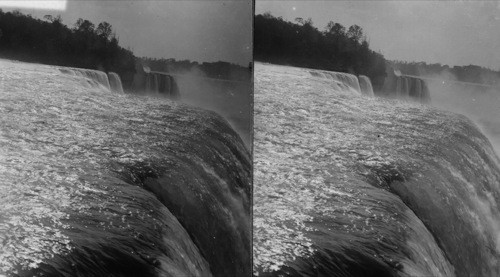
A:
[347,185]
[84,173]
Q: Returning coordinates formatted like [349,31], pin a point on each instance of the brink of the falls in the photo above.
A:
[95,78]
[339,80]
[88,77]
[346,81]
[347,185]
[108,184]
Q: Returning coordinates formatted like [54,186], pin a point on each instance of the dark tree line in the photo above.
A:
[216,70]
[337,48]
[49,41]
[468,73]
[86,45]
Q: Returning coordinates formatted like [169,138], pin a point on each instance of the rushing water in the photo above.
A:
[406,87]
[115,83]
[350,185]
[161,83]
[340,81]
[95,183]
[366,85]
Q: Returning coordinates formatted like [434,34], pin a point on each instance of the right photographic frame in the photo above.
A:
[376,138]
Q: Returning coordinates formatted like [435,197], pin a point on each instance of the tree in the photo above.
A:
[51,19]
[355,33]
[301,44]
[308,22]
[85,26]
[104,30]
[267,15]
[335,29]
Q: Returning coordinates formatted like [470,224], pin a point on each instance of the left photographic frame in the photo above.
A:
[125,138]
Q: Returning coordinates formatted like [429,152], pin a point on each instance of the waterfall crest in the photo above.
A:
[94,77]
[341,81]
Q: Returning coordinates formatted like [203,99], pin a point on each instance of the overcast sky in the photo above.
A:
[448,32]
[195,30]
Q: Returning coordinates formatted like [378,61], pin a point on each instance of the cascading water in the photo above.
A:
[93,77]
[115,82]
[341,80]
[354,186]
[102,184]
[165,84]
[159,83]
[365,85]
[156,86]
[399,87]
[406,87]
[417,91]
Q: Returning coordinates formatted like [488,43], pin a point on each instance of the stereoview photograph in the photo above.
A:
[125,137]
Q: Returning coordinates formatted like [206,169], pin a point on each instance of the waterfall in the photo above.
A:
[417,90]
[366,85]
[406,87]
[94,77]
[405,92]
[399,87]
[115,82]
[357,186]
[342,80]
[97,184]
[157,83]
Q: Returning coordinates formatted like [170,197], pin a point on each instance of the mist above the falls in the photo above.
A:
[480,103]
[229,98]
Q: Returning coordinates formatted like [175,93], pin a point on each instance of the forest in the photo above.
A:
[49,41]
[215,70]
[467,73]
[338,48]
[85,45]
[299,43]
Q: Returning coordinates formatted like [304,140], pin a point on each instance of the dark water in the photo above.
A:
[348,185]
[95,183]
